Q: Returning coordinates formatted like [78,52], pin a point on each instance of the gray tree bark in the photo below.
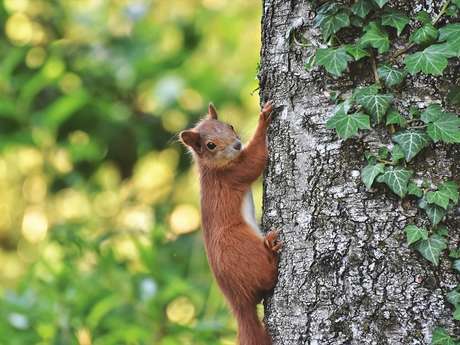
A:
[346,274]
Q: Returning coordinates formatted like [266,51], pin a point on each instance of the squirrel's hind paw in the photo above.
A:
[266,112]
[272,243]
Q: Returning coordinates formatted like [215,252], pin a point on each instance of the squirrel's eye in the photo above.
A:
[211,145]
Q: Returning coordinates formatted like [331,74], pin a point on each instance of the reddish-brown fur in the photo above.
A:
[243,262]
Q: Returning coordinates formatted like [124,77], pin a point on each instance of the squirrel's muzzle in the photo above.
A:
[237,146]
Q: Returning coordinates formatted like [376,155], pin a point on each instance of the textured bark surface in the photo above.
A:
[346,274]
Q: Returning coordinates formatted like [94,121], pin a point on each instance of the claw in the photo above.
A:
[267,109]
[272,243]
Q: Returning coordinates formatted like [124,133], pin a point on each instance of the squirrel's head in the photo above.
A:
[213,143]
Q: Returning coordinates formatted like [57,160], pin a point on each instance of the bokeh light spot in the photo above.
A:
[79,138]
[34,225]
[61,161]
[125,248]
[71,204]
[181,311]
[184,219]
[19,29]
[53,68]
[15,5]
[29,159]
[108,176]
[34,188]
[171,40]
[38,34]
[70,82]
[191,100]
[84,336]
[137,218]
[214,4]
[153,177]
[35,57]
[5,219]
[106,204]
[173,121]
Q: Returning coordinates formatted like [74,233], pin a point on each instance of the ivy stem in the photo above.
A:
[374,68]
[418,127]
[296,41]
[402,51]
[384,161]
[435,20]
[441,13]
[413,120]
[338,40]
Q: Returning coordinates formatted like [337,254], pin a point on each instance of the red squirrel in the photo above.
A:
[244,262]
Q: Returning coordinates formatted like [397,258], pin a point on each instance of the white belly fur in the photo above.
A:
[248,212]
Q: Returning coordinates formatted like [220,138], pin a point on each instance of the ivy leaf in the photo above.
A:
[356,51]
[310,62]
[332,23]
[450,188]
[365,90]
[442,231]
[453,297]
[334,60]
[456,265]
[447,49]
[395,19]
[376,104]
[375,38]
[424,34]
[424,17]
[439,198]
[440,337]
[396,179]
[380,3]
[435,213]
[429,61]
[362,8]
[411,142]
[446,128]
[396,153]
[370,172]
[432,113]
[432,248]
[394,118]
[453,97]
[347,125]
[456,2]
[391,76]
[383,152]
[457,313]
[357,21]
[413,189]
[343,107]
[455,253]
[414,233]
[451,34]
[452,10]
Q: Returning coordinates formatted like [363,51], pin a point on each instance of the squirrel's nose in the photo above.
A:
[237,146]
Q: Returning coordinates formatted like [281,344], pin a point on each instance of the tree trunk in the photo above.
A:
[346,274]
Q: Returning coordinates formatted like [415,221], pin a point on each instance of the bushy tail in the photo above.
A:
[251,331]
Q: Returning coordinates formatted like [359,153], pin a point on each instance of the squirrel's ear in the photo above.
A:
[192,139]
[212,112]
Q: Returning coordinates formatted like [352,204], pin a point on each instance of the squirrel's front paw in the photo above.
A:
[265,114]
[272,243]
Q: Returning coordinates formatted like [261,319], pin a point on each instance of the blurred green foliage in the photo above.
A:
[99,217]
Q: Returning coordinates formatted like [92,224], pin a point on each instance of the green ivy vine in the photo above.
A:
[427,50]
